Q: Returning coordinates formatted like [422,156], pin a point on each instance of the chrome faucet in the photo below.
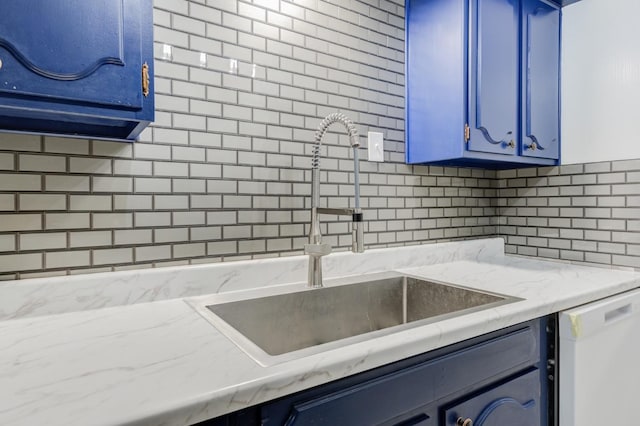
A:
[316,248]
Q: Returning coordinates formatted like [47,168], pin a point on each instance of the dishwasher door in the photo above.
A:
[599,364]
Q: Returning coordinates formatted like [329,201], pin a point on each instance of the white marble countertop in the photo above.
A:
[158,362]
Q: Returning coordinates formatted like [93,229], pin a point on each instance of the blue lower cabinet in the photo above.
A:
[516,402]
[492,380]
[76,67]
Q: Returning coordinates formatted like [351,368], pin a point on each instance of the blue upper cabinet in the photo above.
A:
[540,108]
[493,86]
[77,67]
[483,82]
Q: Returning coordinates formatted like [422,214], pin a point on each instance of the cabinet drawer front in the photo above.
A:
[516,402]
[405,394]
[72,51]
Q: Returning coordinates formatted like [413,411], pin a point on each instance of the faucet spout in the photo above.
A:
[316,249]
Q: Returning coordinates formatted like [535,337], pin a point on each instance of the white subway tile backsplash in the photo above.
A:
[66,146]
[111,149]
[42,202]
[189,218]
[206,170]
[89,165]
[132,202]
[42,241]
[169,168]
[152,185]
[112,184]
[172,6]
[20,222]
[42,163]
[112,220]
[224,172]
[171,202]
[20,262]
[217,248]
[170,235]
[90,239]
[189,185]
[112,256]
[7,242]
[152,253]
[189,250]
[178,137]
[132,237]
[132,167]
[188,25]
[67,220]
[152,219]
[90,202]
[153,152]
[220,125]
[7,202]
[7,161]
[212,201]
[67,183]
[20,143]
[205,233]
[20,182]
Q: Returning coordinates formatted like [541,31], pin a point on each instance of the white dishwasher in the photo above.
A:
[599,380]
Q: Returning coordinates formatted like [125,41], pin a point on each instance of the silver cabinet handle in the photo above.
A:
[464,422]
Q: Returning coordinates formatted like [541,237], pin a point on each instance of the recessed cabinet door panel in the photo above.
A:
[72,51]
[516,402]
[541,68]
[493,85]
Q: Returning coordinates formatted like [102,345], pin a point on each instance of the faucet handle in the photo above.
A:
[357,237]
[317,250]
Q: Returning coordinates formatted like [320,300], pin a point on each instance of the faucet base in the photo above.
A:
[315,272]
[315,252]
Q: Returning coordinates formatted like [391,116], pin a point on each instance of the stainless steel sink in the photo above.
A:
[280,327]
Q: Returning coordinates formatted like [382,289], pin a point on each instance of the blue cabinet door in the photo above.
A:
[482,82]
[541,90]
[516,402]
[76,66]
[493,78]
[436,89]
[413,395]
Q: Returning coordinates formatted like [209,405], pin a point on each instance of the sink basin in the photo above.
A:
[280,327]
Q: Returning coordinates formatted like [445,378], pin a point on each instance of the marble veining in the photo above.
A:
[46,296]
[158,362]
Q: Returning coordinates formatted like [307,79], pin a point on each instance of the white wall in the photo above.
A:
[600,81]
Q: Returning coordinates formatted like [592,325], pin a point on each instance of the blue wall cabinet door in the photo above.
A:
[540,94]
[482,82]
[77,67]
[495,61]
[516,402]
[436,86]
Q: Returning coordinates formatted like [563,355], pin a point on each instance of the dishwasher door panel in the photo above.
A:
[599,371]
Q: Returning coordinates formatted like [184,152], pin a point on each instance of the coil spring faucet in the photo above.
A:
[316,248]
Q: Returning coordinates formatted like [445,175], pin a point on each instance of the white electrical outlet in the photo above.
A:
[375,146]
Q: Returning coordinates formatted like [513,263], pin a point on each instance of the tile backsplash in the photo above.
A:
[581,212]
[224,172]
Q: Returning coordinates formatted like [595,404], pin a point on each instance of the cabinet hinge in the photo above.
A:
[467,133]
[145,79]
